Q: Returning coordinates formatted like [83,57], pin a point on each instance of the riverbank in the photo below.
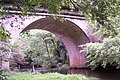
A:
[45,76]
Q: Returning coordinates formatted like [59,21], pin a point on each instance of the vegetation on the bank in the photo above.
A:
[105,54]
[4,74]
[5,51]
[39,48]
[46,76]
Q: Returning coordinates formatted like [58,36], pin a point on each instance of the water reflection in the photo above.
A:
[98,74]
[80,71]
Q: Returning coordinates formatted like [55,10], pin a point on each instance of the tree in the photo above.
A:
[35,47]
[5,51]
[104,14]
[4,47]
[104,54]
[42,48]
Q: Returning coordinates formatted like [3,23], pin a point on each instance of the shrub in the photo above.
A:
[105,53]
[4,74]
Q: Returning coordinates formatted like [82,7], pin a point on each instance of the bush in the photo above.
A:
[4,74]
[105,53]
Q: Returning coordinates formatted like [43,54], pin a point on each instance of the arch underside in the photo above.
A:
[70,34]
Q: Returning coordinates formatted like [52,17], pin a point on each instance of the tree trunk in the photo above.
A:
[33,68]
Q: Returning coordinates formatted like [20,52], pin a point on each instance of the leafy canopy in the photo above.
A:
[103,14]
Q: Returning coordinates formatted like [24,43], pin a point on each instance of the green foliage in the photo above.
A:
[103,14]
[105,54]
[26,6]
[3,33]
[46,76]
[42,48]
[5,51]
[4,74]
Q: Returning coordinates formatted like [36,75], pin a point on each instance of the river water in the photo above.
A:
[98,74]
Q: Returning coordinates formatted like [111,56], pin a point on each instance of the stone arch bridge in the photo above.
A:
[73,31]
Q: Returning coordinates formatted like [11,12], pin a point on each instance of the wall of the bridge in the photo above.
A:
[72,33]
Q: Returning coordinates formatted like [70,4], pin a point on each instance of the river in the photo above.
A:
[98,74]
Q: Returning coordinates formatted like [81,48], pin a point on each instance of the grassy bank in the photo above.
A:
[46,76]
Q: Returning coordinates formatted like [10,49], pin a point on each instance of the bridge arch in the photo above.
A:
[69,33]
